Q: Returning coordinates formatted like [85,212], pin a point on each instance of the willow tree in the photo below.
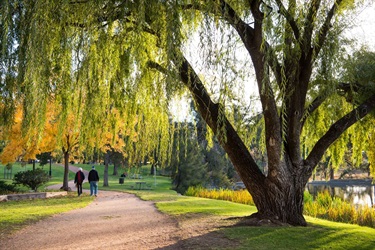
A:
[83,72]
[108,52]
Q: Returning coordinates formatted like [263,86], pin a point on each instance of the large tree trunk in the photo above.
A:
[280,203]
[278,196]
[277,206]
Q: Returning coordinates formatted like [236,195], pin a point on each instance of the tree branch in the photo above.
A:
[246,33]
[158,67]
[342,88]
[309,25]
[337,129]
[210,113]
[289,18]
[248,37]
[322,34]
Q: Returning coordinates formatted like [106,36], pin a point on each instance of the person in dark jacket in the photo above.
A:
[93,180]
[78,180]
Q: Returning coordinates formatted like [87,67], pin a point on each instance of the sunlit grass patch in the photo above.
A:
[319,234]
[184,205]
[14,214]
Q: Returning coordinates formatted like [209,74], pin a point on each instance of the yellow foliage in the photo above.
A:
[25,145]
[15,142]
[239,196]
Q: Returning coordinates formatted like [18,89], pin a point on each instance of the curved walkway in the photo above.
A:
[113,221]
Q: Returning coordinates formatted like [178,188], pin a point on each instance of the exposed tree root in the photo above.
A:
[256,220]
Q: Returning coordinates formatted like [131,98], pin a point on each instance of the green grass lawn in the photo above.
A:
[319,234]
[15,214]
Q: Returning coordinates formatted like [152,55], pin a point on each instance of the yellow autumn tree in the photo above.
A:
[23,145]
[58,132]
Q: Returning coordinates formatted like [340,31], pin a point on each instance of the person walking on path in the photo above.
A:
[93,180]
[78,180]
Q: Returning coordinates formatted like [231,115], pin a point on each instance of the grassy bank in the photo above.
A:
[319,234]
[16,214]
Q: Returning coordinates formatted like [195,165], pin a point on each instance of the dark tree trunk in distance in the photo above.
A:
[115,168]
[66,171]
[106,162]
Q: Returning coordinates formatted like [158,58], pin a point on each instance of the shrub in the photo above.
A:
[31,178]
[240,196]
[341,211]
[7,188]
[324,199]
[313,209]
[335,209]
[366,216]
[307,197]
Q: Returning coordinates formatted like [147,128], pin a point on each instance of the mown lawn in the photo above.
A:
[319,234]
[16,214]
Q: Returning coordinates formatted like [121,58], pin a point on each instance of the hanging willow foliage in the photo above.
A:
[90,58]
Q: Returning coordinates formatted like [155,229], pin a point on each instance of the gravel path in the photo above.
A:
[117,221]
[113,221]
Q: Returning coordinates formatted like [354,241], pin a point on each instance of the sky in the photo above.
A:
[364,27]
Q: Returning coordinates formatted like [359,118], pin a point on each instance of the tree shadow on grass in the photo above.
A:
[211,240]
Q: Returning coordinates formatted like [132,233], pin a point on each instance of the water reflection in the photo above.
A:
[357,192]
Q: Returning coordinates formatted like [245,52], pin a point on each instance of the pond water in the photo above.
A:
[357,192]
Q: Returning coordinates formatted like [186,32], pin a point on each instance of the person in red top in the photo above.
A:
[78,180]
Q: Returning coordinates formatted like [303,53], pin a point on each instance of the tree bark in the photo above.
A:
[280,204]
[331,173]
[115,168]
[66,171]
[106,162]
